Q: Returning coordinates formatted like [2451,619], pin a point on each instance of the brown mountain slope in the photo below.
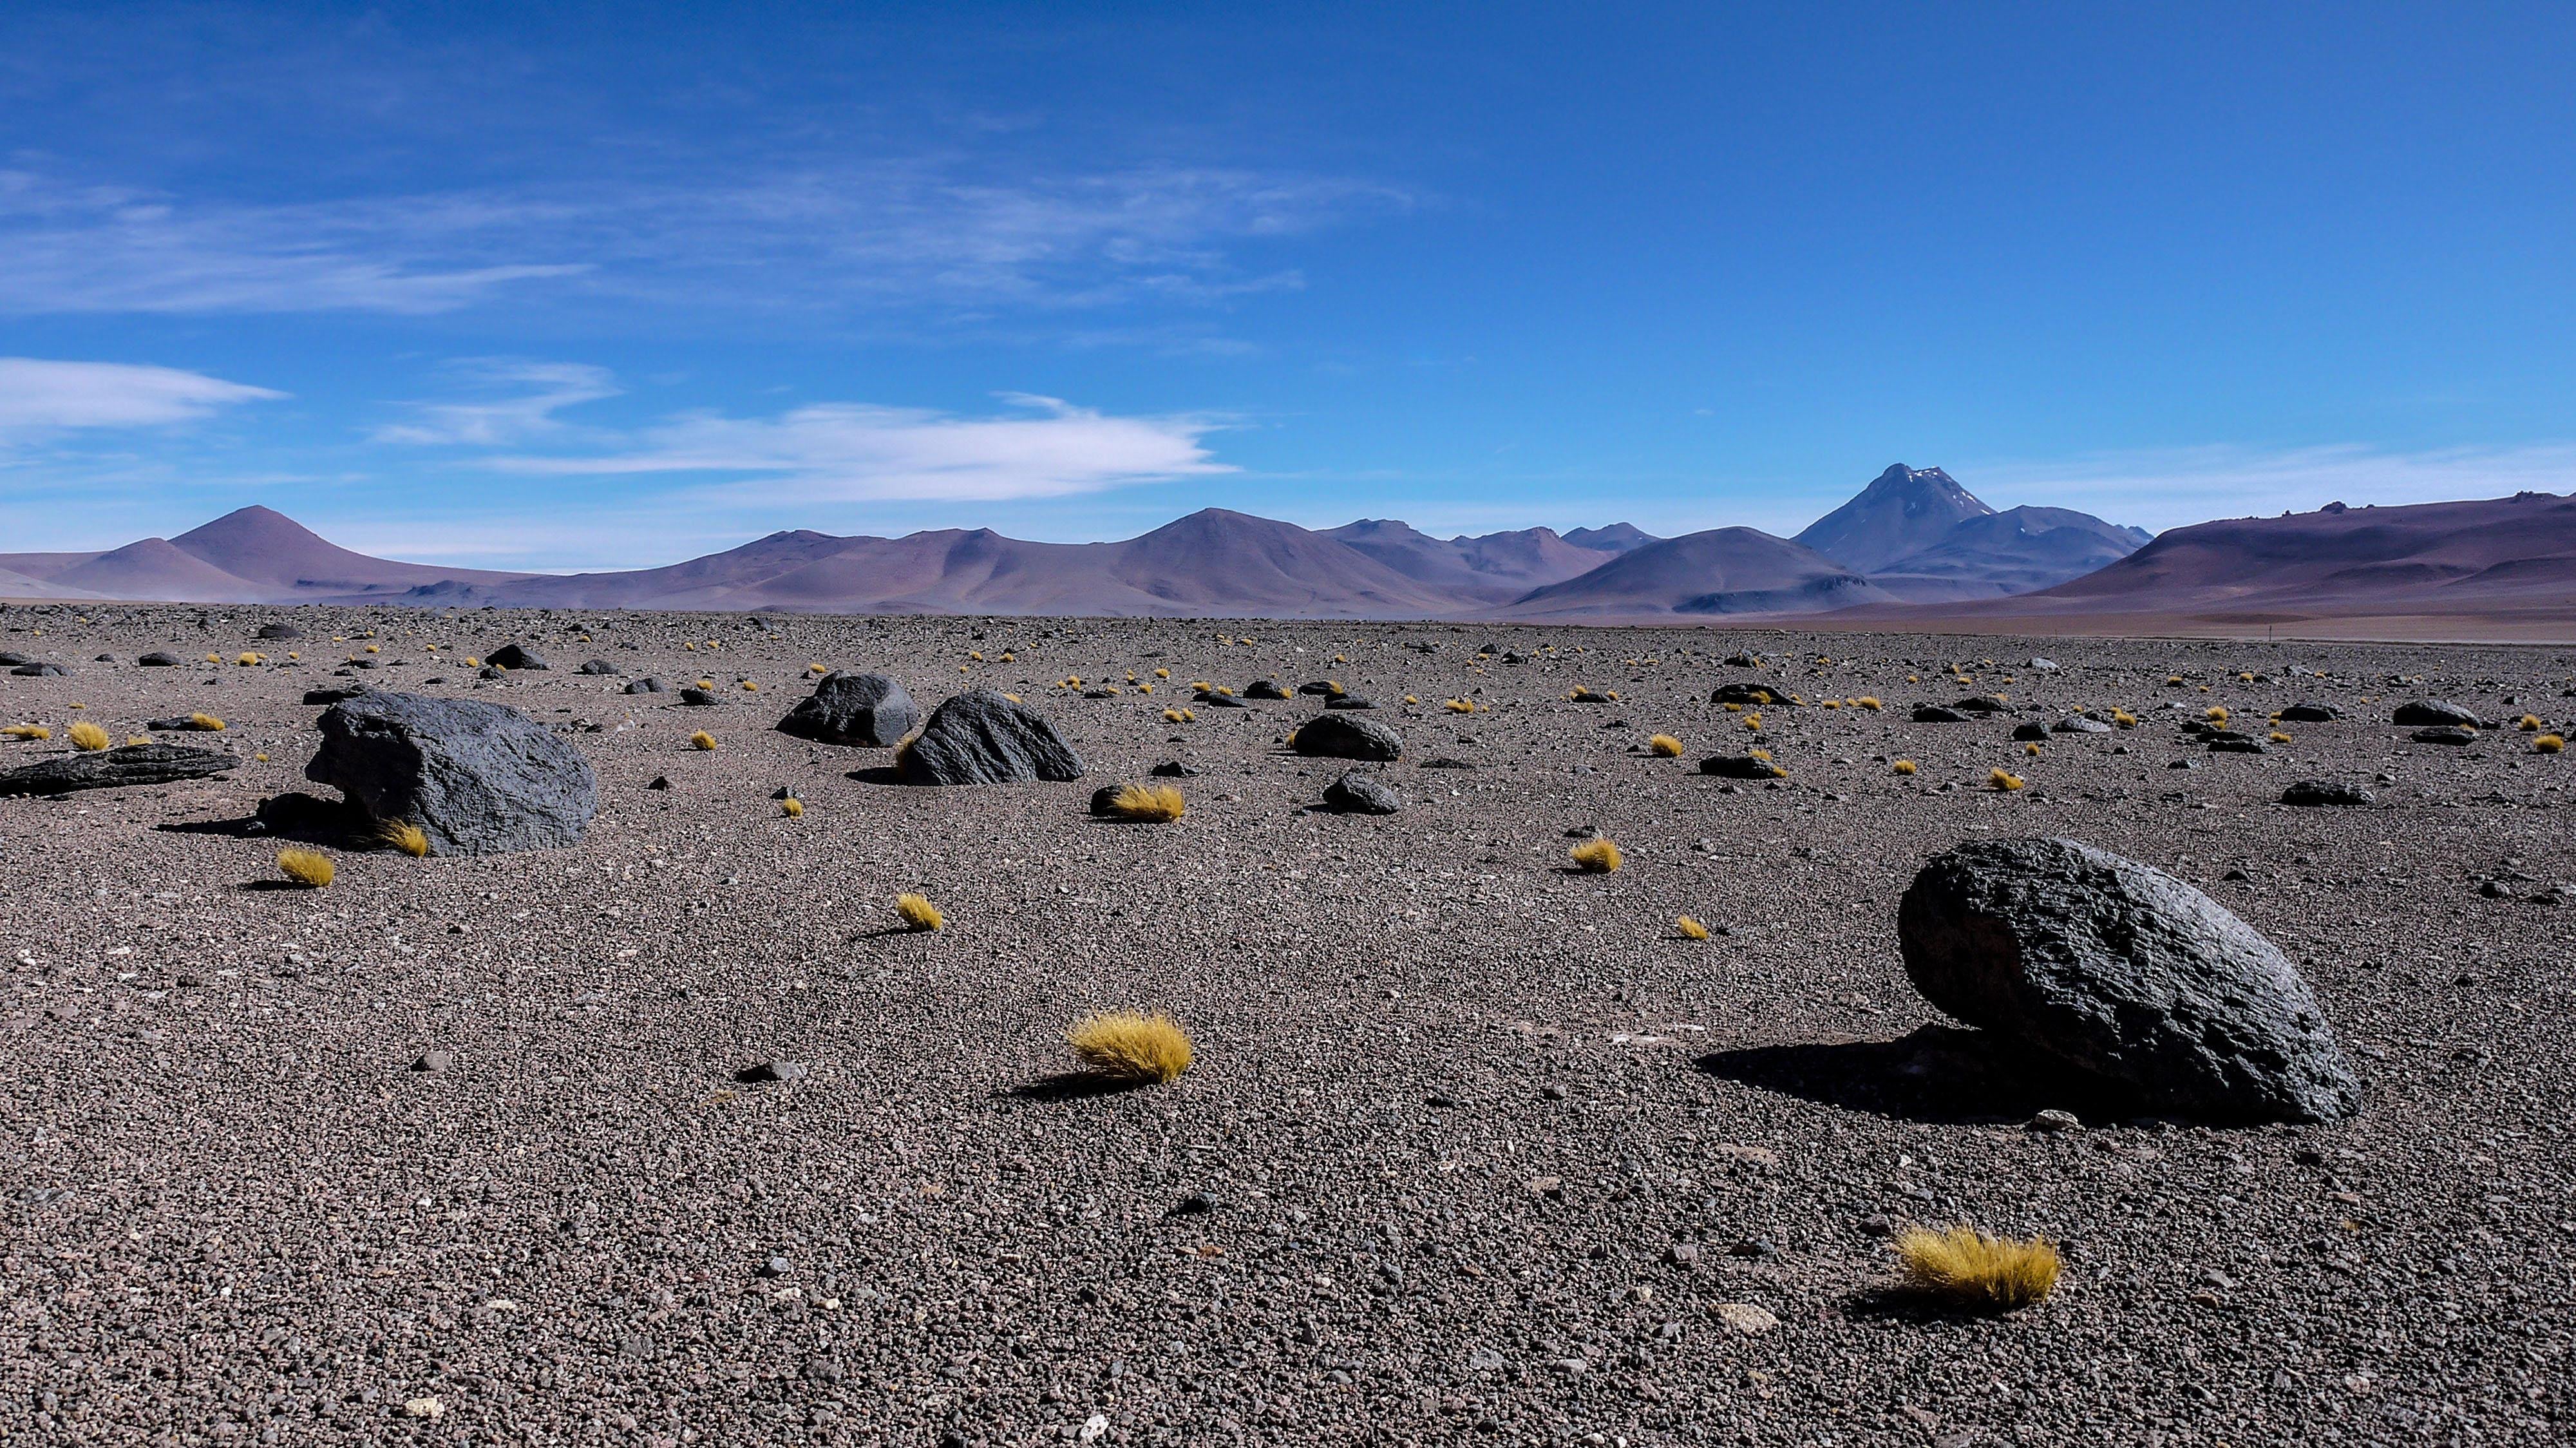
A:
[1721,571]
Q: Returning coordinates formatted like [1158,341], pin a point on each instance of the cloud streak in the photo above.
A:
[854,452]
[907,236]
[40,398]
[2172,487]
[550,387]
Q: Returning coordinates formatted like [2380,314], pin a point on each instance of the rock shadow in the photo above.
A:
[1936,1073]
[1073,1086]
[876,774]
[301,818]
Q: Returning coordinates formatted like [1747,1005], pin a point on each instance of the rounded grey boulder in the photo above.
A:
[478,778]
[515,656]
[160,659]
[1339,736]
[2124,973]
[1357,793]
[868,710]
[2433,712]
[981,737]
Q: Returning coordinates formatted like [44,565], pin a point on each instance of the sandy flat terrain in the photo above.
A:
[1474,1150]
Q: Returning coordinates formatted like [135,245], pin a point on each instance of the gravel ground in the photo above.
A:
[1476,1149]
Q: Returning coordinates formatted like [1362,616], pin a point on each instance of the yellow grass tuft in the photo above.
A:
[1412,699]
[1154,803]
[214,658]
[1171,716]
[1129,1046]
[1459,706]
[1753,721]
[706,683]
[1665,745]
[702,740]
[2280,738]
[87,736]
[1869,702]
[248,659]
[472,662]
[2005,779]
[2123,719]
[374,649]
[2528,724]
[2031,747]
[310,868]
[792,807]
[1596,856]
[205,721]
[751,686]
[1904,766]
[1162,673]
[139,739]
[816,669]
[405,836]
[1969,1269]
[2548,744]
[917,912]
[1690,929]
[28,731]
[1757,754]
[2215,713]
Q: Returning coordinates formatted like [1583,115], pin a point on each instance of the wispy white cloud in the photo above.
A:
[2171,487]
[527,397]
[853,452]
[909,235]
[41,398]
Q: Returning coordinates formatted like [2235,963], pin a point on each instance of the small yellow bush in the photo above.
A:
[309,868]
[1969,1269]
[702,740]
[1904,766]
[2548,744]
[405,836]
[1690,929]
[246,660]
[205,721]
[1152,803]
[1869,702]
[1459,706]
[792,807]
[2031,747]
[2215,713]
[28,731]
[2280,738]
[2528,724]
[138,739]
[917,911]
[87,736]
[1665,745]
[2004,779]
[1596,856]
[1128,1046]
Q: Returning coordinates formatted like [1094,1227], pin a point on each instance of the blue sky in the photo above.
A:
[575,286]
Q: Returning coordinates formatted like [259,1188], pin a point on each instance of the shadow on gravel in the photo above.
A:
[876,774]
[1906,1305]
[1072,1086]
[1937,1073]
[302,818]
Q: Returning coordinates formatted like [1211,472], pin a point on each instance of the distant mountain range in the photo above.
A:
[1911,548]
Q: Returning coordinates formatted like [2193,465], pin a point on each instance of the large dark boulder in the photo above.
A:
[1339,736]
[600,668]
[2079,724]
[1981,704]
[1937,714]
[113,768]
[1357,793]
[2123,973]
[1740,766]
[1264,689]
[160,659]
[2309,711]
[478,778]
[41,671]
[981,737]
[868,710]
[2313,792]
[1752,695]
[279,632]
[646,685]
[2433,712]
[515,656]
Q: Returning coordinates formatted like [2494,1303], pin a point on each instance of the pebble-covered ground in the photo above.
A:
[1476,1149]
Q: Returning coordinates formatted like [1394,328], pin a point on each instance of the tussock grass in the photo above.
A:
[706,683]
[28,731]
[87,736]
[2215,714]
[1690,929]
[816,669]
[1752,721]
[1171,716]
[246,660]
[1868,701]
[405,836]
[139,739]
[1968,1269]
[1130,1046]
[2123,719]
[214,658]
[311,869]
[1153,803]
[1459,706]
[1761,754]
[1596,856]
[1412,699]
[2548,744]
[2005,779]
[1665,745]
[2030,747]
[1162,673]
[917,911]
[2528,724]
[205,721]
[1904,766]
[702,740]
[792,807]
[2280,738]
[751,686]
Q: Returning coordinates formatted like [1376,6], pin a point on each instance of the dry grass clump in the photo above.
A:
[1130,1046]
[751,686]
[793,808]
[138,739]
[2005,779]
[1904,766]
[1968,1269]
[1596,856]
[28,731]
[2280,738]
[1665,745]
[1459,706]
[1690,929]
[2031,747]
[87,736]
[246,660]
[702,740]
[311,869]
[2123,719]
[405,836]
[1153,803]
[1761,754]
[917,911]
[1869,702]
[205,721]
[2215,714]
[2528,724]
[2548,744]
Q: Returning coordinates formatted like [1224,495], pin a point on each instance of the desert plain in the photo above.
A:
[1474,1148]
